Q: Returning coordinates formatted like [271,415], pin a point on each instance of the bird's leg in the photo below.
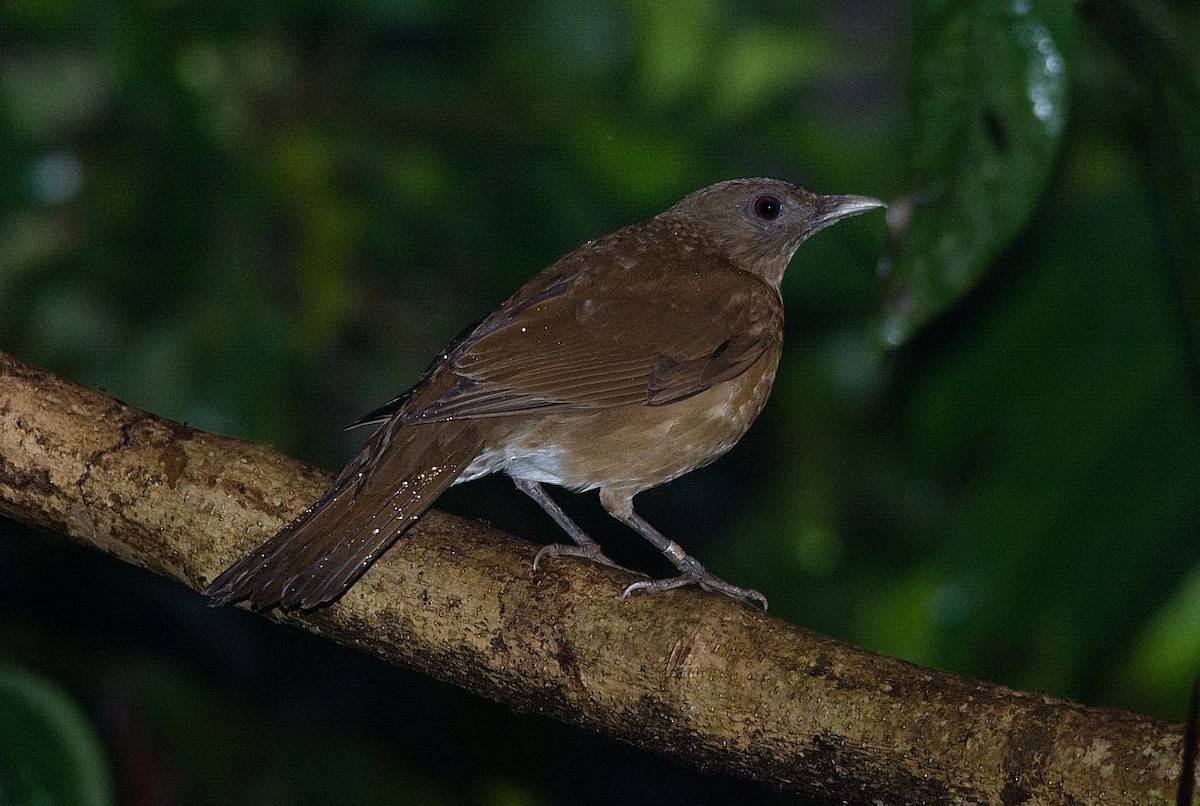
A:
[584,546]
[692,572]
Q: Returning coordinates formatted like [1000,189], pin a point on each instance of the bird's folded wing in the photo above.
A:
[605,341]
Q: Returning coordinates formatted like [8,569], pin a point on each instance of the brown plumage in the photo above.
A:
[634,359]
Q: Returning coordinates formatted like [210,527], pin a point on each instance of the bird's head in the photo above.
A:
[758,224]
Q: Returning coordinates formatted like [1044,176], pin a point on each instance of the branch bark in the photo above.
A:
[688,675]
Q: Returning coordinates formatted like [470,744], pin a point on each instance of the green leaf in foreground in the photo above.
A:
[48,752]
[990,103]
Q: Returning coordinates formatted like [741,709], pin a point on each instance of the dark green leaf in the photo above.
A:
[990,102]
[48,752]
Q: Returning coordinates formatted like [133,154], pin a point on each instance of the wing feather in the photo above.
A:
[596,339]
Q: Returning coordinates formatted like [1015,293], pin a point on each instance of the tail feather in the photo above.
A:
[393,480]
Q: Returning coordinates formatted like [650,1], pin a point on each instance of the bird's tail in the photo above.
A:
[397,475]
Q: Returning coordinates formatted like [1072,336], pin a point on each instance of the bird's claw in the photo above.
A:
[706,581]
[694,575]
[591,552]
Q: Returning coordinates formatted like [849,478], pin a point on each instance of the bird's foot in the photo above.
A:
[697,575]
[588,551]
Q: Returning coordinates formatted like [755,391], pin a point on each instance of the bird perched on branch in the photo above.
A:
[636,358]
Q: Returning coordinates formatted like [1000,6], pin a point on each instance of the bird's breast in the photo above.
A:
[632,448]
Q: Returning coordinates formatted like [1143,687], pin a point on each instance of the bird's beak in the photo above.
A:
[832,209]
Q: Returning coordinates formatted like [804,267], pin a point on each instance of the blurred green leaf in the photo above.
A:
[1065,419]
[760,63]
[49,90]
[990,103]
[48,751]
[644,162]
[1166,656]
[1162,70]
[675,40]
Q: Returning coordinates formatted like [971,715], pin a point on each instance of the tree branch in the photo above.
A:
[688,675]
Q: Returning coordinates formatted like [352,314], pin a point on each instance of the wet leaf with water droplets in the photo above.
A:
[990,90]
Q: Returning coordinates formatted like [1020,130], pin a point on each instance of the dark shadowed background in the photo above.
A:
[264,218]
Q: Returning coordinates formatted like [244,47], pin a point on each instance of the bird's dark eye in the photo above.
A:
[768,207]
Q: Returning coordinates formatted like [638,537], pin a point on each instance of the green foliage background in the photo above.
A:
[982,452]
